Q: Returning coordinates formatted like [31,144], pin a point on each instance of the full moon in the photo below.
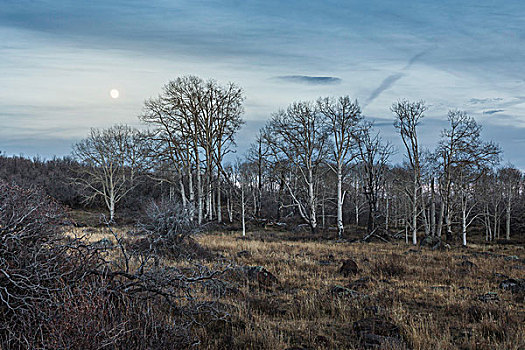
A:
[114,93]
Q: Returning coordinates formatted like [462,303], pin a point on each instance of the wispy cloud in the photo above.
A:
[493,111]
[389,81]
[310,80]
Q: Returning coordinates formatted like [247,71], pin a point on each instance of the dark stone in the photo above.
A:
[432,242]
[362,282]
[341,291]
[261,275]
[515,285]
[348,268]
[244,254]
[375,332]
[490,296]
[467,264]
[512,258]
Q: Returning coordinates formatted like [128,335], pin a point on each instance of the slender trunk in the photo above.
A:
[340,225]
[242,212]
[439,228]
[230,210]
[219,209]
[312,201]
[414,213]
[495,233]
[199,196]
[464,222]
[433,210]
[387,213]
[507,233]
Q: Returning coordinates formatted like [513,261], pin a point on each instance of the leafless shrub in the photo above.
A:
[58,292]
[167,230]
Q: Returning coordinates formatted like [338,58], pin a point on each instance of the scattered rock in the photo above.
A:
[244,254]
[261,275]
[348,268]
[500,275]
[411,250]
[363,282]
[375,332]
[487,297]
[512,258]
[515,285]
[104,243]
[341,291]
[467,264]
[432,242]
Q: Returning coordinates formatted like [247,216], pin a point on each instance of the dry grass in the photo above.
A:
[433,297]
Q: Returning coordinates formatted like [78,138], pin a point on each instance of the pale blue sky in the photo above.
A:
[59,60]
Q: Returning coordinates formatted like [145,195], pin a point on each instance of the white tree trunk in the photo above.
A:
[340,199]
[242,212]
[414,213]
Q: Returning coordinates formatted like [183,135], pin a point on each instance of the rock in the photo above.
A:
[361,283]
[467,264]
[515,285]
[375,332]
[348,268]
[432,242]
[512,258]
[500,275]
[261,275]
[341,291]
[244,254]
[487,297]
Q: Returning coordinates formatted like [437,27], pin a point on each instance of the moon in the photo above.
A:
[114,93]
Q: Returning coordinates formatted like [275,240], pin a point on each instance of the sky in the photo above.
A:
[60,59]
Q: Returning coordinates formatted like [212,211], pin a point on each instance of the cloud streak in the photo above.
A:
[310,80]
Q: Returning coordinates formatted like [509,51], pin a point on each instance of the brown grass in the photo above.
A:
[431,296]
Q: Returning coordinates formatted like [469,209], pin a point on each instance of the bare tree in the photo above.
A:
[111,158]
[461,149]
[298,139]
[374,156]
[343,117]
[197,122]
[510,178]
[408,116]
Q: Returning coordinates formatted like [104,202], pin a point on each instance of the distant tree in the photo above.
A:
[408,116]
[195,123]
[374,156]
[461,152]
[298,140]
[342,117]
[510,178]
[111,159]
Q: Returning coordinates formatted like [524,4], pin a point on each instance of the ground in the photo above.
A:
[417,298]
[437,299]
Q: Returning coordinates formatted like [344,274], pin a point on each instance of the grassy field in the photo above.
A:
[406,297]
[436,299]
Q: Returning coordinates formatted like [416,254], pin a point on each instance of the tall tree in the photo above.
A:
[408,116]
[460,151]
[298,139]
[342,117]
[373,156]
[111,158]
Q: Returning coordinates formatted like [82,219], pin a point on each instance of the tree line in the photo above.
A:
[319,162]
